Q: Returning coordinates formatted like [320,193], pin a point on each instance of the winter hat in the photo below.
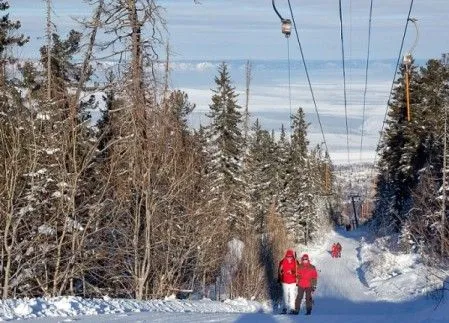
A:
[305,257]
[290,253]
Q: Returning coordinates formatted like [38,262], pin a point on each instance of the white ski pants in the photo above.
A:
[289,291]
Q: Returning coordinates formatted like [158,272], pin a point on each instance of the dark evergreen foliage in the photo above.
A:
[8,37]
[64,71]
[412,153]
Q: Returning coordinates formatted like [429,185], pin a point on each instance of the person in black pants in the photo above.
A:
[307,280]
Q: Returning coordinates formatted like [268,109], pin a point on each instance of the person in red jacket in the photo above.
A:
[338,246]
[307,280]
[334,250]
[287,277]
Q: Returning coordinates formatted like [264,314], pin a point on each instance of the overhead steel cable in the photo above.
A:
[308,77]
[391,89]
[276,10]
[366,77]
[286,30]
[289,83]
[344,78]
[394,78]
[350,96]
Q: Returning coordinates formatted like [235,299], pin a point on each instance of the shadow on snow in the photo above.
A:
[335,308]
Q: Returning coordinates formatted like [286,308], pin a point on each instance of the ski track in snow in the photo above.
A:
[342,295]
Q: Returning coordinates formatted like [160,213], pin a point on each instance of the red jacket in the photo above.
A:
[287,269]
[334,250]
[307,275]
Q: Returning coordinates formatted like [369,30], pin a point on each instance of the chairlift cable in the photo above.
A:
[394,78]
[344,79]
[289,83]
[350,96]
[286,30]
[308,77]
[366,77]
[275,10]
[392,85]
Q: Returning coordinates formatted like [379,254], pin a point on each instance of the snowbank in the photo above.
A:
[12,309]
[392,275]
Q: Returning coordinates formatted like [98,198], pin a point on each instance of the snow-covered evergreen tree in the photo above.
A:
[396,153]
[283,169]
[319,186]
[297,205]
[261,173]
[225,143]
[410,149]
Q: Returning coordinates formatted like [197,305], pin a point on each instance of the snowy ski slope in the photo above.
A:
[367,284]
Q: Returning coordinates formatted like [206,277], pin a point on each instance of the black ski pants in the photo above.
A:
[308,292]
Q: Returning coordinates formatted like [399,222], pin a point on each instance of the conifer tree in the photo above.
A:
[261,173]
[425,136]
[8,39]
[318,185]
[282,169]
[297,182]
[225,144]
[411,149]
[64,71]
[395,161]
[299,138]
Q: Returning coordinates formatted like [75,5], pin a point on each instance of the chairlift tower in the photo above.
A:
[353,196]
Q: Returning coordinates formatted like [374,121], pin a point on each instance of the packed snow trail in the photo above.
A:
[340,278]
[342,295]
[342,288]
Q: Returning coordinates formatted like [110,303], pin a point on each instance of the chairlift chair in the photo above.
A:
[286,27]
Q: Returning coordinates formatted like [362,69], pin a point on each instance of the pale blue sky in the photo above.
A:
[230,29]
[249,29]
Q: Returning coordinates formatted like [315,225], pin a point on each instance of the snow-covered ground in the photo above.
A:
[369,283]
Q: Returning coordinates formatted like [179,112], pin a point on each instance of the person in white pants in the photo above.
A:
[287,277]
[289,293]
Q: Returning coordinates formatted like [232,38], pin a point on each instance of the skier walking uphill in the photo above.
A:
[307,280]
[287,277]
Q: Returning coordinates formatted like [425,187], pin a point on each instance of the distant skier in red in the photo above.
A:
[338,246]
[287,277]
[307,280]
[334,250]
